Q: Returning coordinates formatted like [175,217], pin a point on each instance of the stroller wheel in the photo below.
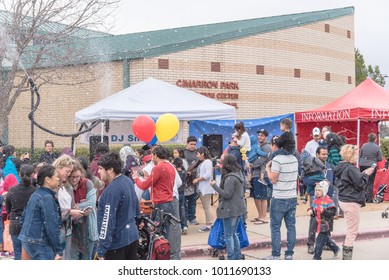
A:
[386,215]
[375,200]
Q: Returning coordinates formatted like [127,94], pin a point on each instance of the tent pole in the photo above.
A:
[295,131]
[379,133]
[358,136]
[102,131]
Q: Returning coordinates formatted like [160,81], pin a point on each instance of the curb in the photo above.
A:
[205,250]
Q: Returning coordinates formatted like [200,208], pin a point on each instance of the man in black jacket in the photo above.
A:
[370,153]
[48,156]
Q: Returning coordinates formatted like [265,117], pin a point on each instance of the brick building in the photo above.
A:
[264,67]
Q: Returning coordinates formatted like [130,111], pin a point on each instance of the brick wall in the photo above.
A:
[307,48]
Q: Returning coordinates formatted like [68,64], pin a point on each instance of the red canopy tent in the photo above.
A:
[353,115]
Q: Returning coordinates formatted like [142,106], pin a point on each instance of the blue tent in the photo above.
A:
[226,127]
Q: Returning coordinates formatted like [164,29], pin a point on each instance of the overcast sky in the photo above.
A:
[371,18]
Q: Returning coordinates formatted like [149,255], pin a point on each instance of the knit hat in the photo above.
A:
[9,181]
[323,186]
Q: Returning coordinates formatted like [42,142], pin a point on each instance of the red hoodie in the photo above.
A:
[9,182]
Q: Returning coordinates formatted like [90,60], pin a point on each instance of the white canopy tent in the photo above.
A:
[154,98]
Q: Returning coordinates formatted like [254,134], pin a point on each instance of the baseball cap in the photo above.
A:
[263,131]
[316,131]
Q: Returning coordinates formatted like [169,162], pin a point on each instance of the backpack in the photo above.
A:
[159,248]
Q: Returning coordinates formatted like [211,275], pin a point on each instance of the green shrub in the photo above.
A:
[84,151]
[385,147]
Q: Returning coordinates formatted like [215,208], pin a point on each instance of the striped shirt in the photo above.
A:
[287,169]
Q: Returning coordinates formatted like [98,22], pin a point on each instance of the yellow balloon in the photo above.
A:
[166,127]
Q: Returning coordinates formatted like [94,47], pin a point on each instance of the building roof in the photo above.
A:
[156,43]
[53,27]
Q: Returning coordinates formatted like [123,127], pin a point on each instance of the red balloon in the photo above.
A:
[144,128]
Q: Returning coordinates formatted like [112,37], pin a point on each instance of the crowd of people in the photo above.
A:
[62,207]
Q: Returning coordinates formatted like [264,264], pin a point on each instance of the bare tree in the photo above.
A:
[31,34]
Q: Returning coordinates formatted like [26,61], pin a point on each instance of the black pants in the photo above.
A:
[312,226]
[128,252]
[370,183]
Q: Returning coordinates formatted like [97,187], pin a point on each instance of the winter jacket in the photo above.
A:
[10,168]
[351,183]
[324,211]
[118,208]
[16,201]
[48,158]
[231,196]
[41,220]
[259,164]
[370,153]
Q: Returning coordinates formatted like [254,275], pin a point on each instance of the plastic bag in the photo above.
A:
[216,235]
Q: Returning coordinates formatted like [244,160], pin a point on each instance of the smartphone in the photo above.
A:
[374,165]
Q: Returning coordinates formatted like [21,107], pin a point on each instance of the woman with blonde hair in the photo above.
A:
[351,184]
[64,166]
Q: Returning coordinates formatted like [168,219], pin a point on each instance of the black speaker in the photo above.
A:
[214,143]
[93,140]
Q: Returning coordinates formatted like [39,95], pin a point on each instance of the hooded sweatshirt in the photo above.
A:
[231,196]
[256,150]
[351,183]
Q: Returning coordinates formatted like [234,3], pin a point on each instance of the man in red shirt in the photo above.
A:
[161,179]
[161,184]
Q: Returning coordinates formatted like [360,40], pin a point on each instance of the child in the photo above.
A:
[285,142]
[312,171]
[179,165]
[323,209]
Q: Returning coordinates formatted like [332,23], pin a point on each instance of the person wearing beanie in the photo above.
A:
[324,210]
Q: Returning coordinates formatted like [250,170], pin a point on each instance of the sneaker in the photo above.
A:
[288,257]
[194,222]
[311,249]
[336,253]
[185,231]
[272,258]
[205,229]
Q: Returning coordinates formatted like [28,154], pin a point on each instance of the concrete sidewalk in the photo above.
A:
[372,225]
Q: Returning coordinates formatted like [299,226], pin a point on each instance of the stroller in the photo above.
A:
[379,197]
[152,242]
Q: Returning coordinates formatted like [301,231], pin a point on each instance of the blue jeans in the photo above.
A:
[190,200]
[183,211]
[324,238]
[283,209]
[17,244]
[231,237]
[166,207]
[38,252]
